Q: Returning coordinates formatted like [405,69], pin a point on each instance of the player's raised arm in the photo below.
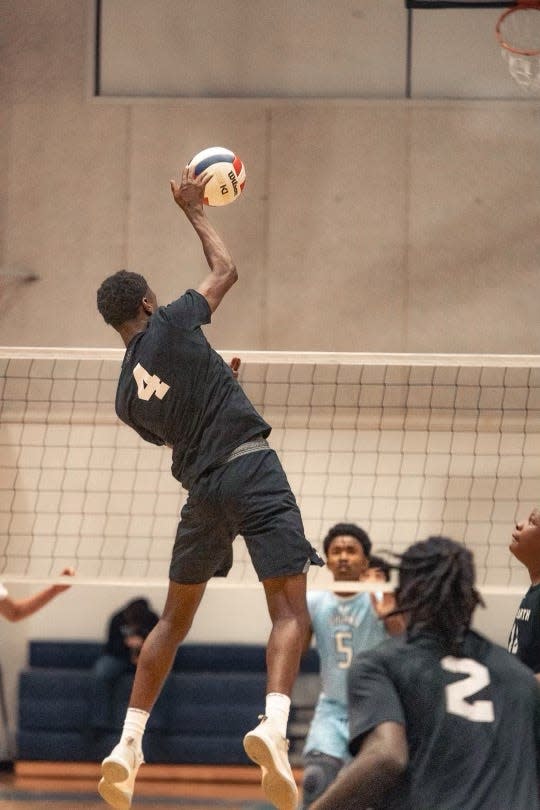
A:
[189,195]
[16,609]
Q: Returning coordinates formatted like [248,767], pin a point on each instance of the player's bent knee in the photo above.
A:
[319,772]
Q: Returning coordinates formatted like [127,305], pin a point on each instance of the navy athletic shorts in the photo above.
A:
[248,496]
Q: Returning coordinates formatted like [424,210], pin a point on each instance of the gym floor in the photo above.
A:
[59,785]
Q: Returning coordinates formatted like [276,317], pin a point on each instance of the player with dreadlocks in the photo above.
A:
[435,715]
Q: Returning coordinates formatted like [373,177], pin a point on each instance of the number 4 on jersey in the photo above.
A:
[148,384]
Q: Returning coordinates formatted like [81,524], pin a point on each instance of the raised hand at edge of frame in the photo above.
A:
[66,572]
[234,365]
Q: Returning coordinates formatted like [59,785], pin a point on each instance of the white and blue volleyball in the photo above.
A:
[229,174]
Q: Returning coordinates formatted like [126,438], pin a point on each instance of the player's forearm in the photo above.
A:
[216,252]
[361,785]
[376,769]
[17,609]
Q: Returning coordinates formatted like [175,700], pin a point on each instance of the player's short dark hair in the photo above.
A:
[136,611]
[382,564]
[436,588]
[348,529]
[119,297]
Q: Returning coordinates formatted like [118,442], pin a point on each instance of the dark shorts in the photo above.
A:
[249,496]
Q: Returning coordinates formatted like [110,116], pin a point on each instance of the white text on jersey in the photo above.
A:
[148,384]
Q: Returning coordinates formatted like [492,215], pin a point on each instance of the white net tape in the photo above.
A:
[404,445]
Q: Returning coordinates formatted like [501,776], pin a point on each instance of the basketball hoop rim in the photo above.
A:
[521,6]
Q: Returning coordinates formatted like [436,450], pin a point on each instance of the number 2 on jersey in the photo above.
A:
[479,711]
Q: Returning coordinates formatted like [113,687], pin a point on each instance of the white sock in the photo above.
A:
[277,710]
[134,725]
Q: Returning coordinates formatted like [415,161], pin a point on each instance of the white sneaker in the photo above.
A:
[265,746]
[119,770]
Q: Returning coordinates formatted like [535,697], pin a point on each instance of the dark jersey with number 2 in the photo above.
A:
[472,722]
[175,389]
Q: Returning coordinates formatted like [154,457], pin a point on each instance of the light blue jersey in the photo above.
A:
[343,626]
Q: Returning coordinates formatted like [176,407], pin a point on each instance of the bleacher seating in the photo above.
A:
[212,696]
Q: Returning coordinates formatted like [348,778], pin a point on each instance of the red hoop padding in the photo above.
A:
[522,5]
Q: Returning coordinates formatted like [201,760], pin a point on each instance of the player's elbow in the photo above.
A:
[224,275]
[387,747]
[12,612]
[386,773]
[231,274]
[393,765]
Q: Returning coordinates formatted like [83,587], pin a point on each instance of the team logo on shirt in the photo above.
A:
[148,384]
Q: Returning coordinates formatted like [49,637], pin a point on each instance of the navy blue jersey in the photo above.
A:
[472,722]
[524,638]
[120,629]
[175,389]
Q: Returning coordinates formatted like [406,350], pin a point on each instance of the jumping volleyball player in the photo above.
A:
[174,389]
[442,718]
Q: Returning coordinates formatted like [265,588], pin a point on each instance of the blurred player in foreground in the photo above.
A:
[435,716]
[175,390]
[16,609]
[524,638]
[344,623]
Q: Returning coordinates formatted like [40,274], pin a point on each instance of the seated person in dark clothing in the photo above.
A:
[127,631]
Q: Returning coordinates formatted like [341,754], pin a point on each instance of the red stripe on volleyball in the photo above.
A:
[237,165]
[242,185]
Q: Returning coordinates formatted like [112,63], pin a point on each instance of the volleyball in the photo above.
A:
[229,174]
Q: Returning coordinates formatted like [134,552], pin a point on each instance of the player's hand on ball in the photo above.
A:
[189,193]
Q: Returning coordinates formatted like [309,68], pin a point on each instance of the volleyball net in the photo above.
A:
[404,445]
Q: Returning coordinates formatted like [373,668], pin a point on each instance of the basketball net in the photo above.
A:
[518,33]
